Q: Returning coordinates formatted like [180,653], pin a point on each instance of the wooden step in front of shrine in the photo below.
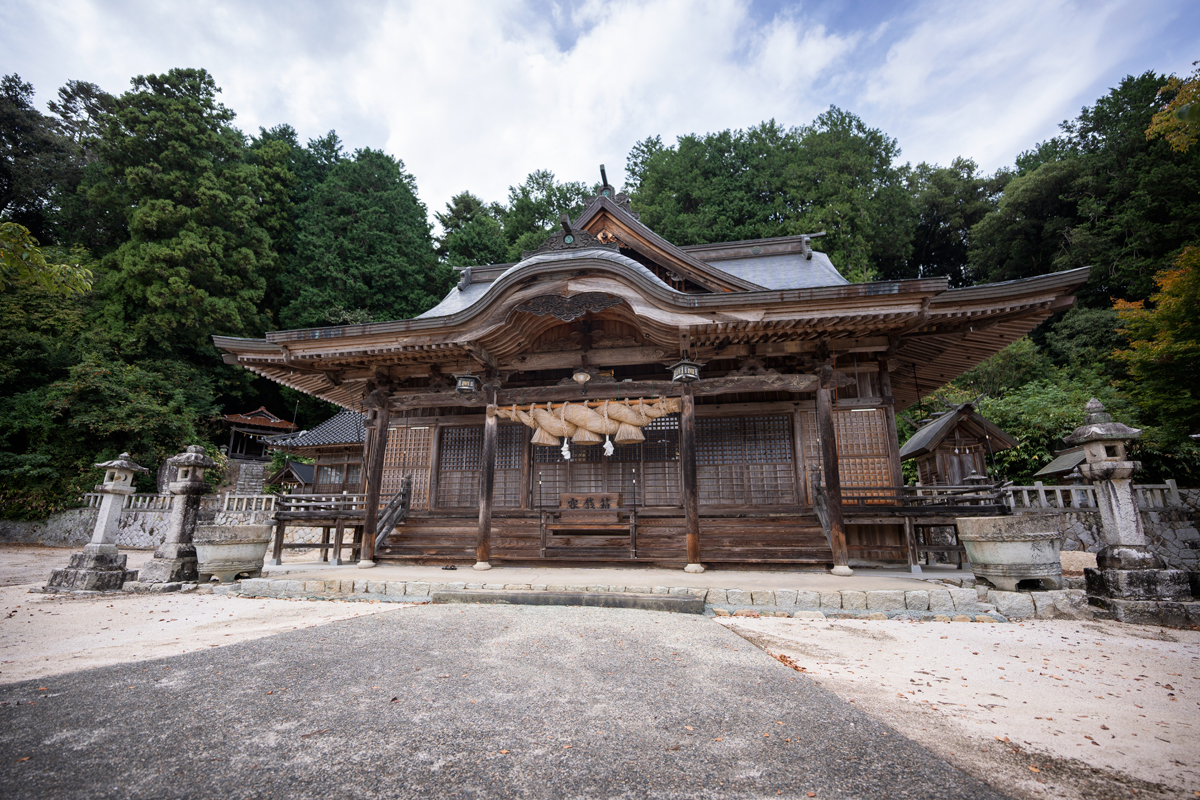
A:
[794,539]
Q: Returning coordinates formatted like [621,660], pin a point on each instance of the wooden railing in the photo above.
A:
[321,502]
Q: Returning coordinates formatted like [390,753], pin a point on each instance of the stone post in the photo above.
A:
[1130,579]
[175,558]
[99,567]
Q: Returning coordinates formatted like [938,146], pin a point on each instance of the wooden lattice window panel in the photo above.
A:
[745,461]
[510,453]
[407,453]
[645,474]
[460,457]
[864,453]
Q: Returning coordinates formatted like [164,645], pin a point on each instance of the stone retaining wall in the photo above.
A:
[139,530]
[1173,533]
[937,601]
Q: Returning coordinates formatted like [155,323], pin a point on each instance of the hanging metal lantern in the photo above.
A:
[466,384]
[685,371]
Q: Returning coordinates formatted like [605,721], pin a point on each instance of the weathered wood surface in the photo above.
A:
[687,463]
[829,462]
[487,484]
[401,401]
[375,447]
[790,540]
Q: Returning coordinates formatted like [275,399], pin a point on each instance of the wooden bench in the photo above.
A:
[589,526]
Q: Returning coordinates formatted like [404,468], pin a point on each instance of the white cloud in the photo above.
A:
[478,94]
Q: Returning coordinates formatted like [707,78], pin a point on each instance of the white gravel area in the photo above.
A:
[1037,705]
[50,634]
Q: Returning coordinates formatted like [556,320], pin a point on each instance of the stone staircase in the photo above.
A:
[251,477]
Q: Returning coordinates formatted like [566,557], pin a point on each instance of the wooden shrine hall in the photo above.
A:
[613,397]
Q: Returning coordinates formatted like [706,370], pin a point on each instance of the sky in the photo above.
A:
[477,94]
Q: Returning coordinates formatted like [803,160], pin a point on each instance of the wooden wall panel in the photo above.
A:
[407,454]
[864,454]
[746,461]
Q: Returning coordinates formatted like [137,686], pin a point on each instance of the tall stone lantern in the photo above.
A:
[1106,465]
[99,567]
[175,558]
[1130,579]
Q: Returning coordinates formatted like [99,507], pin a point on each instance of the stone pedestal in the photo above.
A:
[93,570]
[175,559]
[100,568]
[173,562]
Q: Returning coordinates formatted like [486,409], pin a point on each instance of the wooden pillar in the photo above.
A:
[487,483]
[691,492]
[833,481]
[889,417]
[375,445]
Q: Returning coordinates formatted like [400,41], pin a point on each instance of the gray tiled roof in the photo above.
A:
[345,427]
[786,271]
[1062,464]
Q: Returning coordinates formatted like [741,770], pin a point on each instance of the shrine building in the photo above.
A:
[616,398]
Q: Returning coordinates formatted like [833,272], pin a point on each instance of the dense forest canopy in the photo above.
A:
[135,226]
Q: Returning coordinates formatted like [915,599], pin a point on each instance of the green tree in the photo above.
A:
[197,250]
[471,232]
[1177,121]
[836,175]
[364,248]
[949,202]
[34,159]
[23,262]
[1101,195]
[1163,355]
[534,208]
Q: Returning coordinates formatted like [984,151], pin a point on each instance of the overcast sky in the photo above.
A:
[475,95]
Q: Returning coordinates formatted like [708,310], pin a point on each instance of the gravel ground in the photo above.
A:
[1049,708]
[445,701]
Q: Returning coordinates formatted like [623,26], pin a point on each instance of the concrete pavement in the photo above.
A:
[442,701]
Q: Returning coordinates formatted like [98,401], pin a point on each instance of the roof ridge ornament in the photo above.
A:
[570,238]
[619,198]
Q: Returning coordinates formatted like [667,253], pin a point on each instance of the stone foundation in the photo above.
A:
[90,572]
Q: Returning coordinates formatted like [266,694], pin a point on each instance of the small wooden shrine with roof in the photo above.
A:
[248,432]
[953,446]
[614,397]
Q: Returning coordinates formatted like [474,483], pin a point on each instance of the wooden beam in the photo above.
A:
[833,481]
[604,391]
[597,357]
[477,350]
[374,447]
[687,461]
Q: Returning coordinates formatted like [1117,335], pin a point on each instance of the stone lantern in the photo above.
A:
[1105,465]
[99,567]
[1130,579]
[175,559]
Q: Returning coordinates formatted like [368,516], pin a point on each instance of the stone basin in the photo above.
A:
[227,552]
[1007,550]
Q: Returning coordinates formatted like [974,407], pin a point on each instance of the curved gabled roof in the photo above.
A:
[465,296]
